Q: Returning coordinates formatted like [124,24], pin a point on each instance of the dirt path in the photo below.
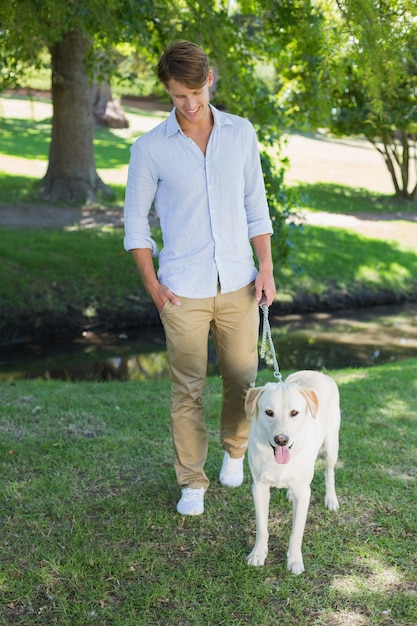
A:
[354,162]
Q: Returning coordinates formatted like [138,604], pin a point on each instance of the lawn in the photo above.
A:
[340,198]
[90,534]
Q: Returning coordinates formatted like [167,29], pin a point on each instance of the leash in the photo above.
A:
[266,334]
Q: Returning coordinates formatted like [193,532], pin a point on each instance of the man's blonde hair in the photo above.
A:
[186,63]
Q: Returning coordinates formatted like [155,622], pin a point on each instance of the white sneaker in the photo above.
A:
[231,473]
[191,502]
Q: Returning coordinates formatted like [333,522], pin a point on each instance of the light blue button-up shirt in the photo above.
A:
[209,206]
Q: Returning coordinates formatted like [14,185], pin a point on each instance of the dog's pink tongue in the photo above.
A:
[282,455]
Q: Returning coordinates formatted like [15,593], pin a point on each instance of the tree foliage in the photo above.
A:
[350,66]
[377,91]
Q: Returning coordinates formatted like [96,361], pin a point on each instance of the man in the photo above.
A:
[202,170]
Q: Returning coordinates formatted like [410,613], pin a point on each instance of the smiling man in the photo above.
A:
[201,169]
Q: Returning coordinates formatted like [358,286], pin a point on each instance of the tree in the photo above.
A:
[377,94]
[71,173]
[71,32]
[350,66]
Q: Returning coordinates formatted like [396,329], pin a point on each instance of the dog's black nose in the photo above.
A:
[281,440]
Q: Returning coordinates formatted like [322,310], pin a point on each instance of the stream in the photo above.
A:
[326,340]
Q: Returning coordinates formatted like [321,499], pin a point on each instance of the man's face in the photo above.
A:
[191,104]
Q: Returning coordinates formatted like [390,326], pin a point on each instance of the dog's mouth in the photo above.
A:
[282,454]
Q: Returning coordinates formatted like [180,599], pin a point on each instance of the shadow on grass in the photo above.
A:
[19,189]
[29,139]
[26,190]
[111,151]
[336,198]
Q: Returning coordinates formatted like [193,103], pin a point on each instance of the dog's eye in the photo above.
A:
[293,413]
[269,413]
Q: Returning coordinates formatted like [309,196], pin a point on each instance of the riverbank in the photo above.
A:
[66,273]
[68,323]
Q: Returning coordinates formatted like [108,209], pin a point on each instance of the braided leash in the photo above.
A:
[266,334]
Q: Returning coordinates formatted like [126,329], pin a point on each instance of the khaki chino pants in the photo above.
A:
[233,319]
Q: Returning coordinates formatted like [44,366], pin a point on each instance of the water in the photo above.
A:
[334,340]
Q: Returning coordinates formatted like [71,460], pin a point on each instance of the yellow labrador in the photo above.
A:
[293,421]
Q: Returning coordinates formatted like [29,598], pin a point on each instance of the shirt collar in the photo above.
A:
[220,119]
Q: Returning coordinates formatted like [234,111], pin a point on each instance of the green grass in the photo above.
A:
[23,190]
[19,189]
[68,277]
[25,138]
[90,534]
[338,260]
[81,274]
[337,198]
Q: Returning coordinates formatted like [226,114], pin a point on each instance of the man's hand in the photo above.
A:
[264,282]
[161,294]
[264,288]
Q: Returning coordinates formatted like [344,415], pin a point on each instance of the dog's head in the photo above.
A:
[282,410]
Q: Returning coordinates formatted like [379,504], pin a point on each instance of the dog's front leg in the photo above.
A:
[261,495]
[301,501]
[330,499]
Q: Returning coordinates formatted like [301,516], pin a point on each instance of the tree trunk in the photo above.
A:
[397,157]
[71,174]
[107,111]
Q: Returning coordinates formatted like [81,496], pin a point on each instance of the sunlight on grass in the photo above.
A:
[90,311]
[347,618]
[378,578]
[383,273]
[354,263]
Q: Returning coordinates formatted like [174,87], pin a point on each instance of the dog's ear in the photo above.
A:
[312,400]
[251,400]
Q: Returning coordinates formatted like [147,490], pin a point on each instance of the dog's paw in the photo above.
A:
[331,502]
[257,559]
[296,567]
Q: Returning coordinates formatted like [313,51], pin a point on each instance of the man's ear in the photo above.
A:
[210,78]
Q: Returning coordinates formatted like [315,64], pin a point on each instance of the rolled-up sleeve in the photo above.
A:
[140,193]
[256,206]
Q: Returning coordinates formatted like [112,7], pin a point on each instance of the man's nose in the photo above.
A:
[190,104]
